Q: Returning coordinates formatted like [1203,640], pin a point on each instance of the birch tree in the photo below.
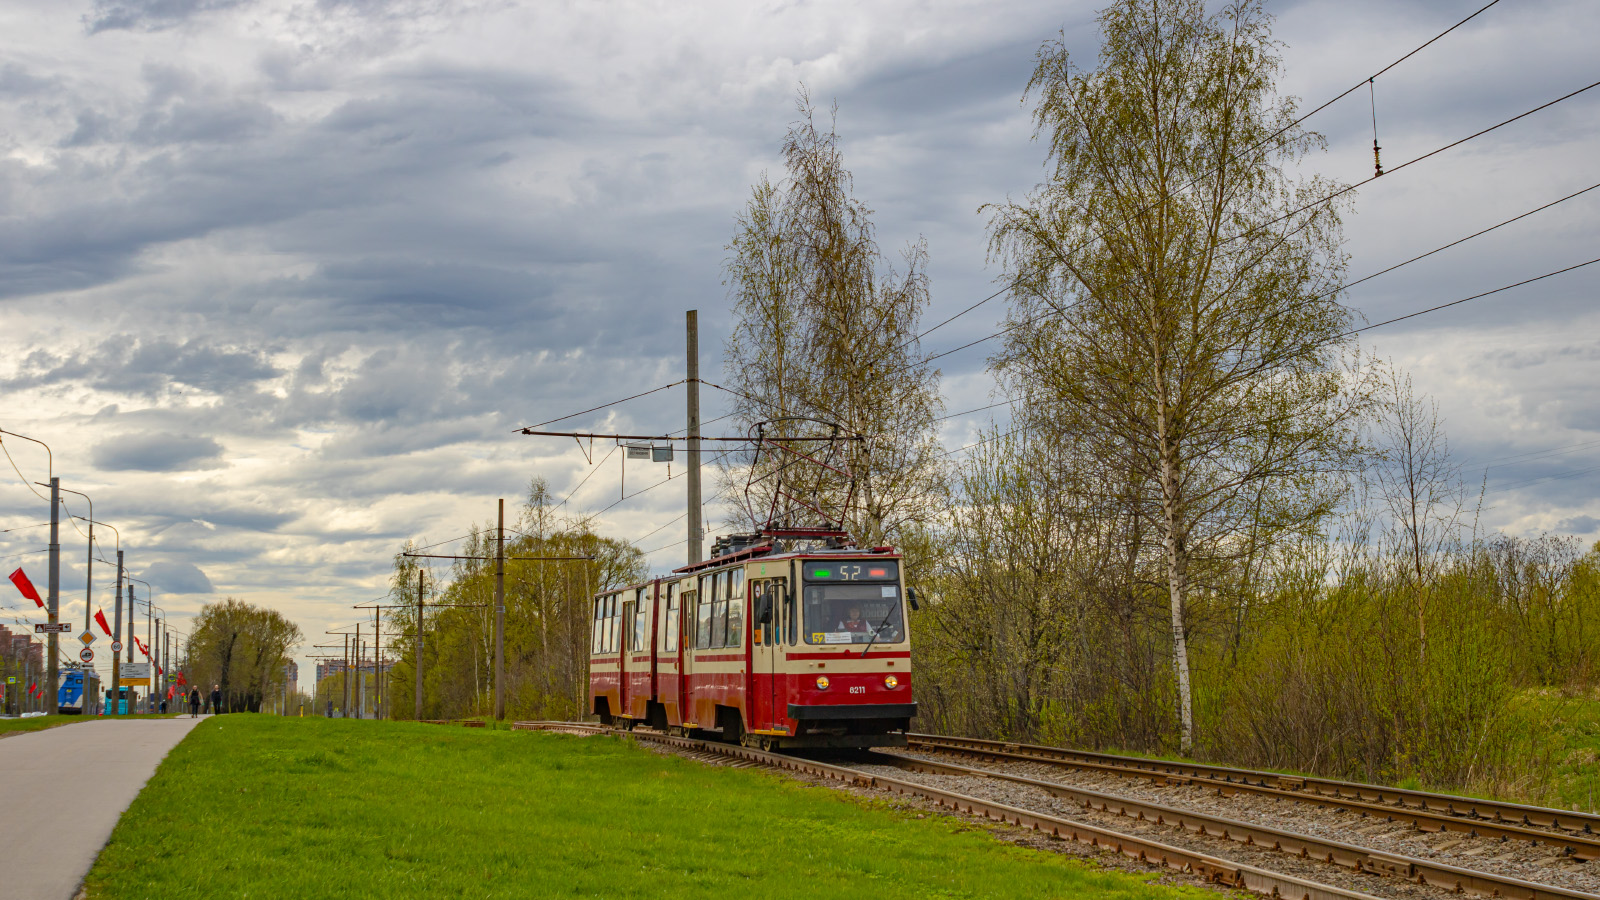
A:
[826,329]
[1175,287]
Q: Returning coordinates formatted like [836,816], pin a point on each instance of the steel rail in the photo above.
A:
[1360,859]
[1209,868]
[1480,818]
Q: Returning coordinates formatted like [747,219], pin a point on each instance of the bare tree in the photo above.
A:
[1421,490]
[825,329]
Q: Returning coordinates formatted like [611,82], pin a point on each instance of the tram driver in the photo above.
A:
[853,622]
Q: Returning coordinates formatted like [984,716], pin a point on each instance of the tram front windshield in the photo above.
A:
[853,614]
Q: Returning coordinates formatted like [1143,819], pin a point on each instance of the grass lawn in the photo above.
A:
[261,806]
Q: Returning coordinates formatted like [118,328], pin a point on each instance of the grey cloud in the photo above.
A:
[149,15]
[15,81]
[133,366]
[178,578]
[1580,525]
[157,453]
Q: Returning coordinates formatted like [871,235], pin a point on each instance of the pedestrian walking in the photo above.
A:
[194,702]
[216,699]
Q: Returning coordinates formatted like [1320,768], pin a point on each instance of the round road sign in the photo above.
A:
[86,655]
[116,646]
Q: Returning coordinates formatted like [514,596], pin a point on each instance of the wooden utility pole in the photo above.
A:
[418,648]
[696,535]
[500,615]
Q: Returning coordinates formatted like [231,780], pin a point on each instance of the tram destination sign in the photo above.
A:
[851,570]
[58,628]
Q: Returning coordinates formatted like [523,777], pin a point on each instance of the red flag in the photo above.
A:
[25,586]
[33,689]
[140,644]
[169,693]
[100,618]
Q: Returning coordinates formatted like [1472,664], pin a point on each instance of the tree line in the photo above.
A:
[1210,523]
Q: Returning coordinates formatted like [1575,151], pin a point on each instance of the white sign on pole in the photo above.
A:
[116,646]
[135,670]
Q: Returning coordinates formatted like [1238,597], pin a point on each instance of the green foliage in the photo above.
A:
[548,613]
[270,807]
[244,649]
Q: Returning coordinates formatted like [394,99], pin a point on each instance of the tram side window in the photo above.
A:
[719,610]
[702,625]
[613,622]
[641,621]
[791,617]
[594,630]
[691,604]
[669,627]
[736,602]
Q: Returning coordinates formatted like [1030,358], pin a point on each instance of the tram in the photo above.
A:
[76,698]
[763,644]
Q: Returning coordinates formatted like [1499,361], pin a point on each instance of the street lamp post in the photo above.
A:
[53,704]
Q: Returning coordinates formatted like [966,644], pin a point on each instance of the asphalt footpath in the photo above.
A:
[64,790]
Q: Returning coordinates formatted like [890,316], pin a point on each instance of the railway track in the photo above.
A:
[1142,847]
[1572,833]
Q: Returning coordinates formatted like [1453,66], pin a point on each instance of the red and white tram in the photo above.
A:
[771,648]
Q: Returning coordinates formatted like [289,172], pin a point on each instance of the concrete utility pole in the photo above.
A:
[377,669]
[418,648]
[500,616]
[128,647]
[344,700]
[54,705]
[355,703]
[116,631]
[696,535]
[116,656]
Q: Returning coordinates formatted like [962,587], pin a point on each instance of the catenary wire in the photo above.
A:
[1275,135]
[1431,153]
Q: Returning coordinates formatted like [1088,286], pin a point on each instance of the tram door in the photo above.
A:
[766,695]
[669,681]
[625,665]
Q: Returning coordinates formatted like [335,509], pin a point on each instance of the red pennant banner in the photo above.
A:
[100,619]
[20,579]
[140,644]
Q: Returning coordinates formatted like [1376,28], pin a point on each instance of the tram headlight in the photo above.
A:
[822,682]
[891,682]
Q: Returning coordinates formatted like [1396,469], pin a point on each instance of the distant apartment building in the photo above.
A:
[294,678]
[365,667]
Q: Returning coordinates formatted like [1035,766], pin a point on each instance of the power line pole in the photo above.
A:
[128,648]
[360,685]
[500,615]
[115,669]
[344,700]
[377,653]
[418,648]
[696,537]
[53,706]
[150,649]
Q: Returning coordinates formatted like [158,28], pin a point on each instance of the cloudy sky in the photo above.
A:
[280,277]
